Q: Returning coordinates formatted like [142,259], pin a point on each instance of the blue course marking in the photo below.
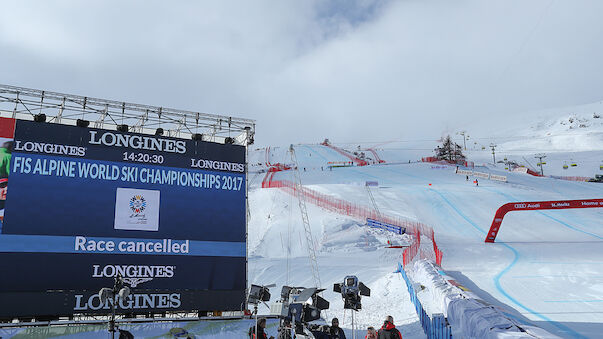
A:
[570,226]
[459,212]
[510,197]
[556,276]
[574,301]
[567,262]
[507,269]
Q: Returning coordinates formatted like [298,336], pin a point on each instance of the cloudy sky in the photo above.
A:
[349,70]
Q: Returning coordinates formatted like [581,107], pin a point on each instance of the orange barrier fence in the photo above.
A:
[411,251]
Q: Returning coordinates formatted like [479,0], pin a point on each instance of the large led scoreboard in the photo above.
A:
[80,206]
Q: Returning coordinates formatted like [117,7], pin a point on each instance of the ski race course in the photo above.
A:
[545,268]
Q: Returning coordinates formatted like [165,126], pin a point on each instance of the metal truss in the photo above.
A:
[60,108]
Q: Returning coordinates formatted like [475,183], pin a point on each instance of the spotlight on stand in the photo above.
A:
[250,136]
[197,136]
[229,141]
[294,307]
[351,291]
[122,128]
[40,117]
[119,291]
[82,123]
[258,294]
[159,131]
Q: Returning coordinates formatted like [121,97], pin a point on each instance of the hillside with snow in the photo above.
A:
[545,268]
[571,138]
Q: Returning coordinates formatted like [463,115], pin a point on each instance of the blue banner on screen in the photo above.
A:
[86,205]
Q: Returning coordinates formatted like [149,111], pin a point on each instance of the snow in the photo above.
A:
[546,268]
[545,271]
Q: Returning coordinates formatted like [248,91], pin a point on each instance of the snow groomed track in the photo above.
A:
[547,267]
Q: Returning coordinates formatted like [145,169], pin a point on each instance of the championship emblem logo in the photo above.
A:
[138,204]
[137,209]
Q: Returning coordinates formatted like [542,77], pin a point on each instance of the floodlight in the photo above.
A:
[82,123]
[40,117]
[351,291]
[258,294]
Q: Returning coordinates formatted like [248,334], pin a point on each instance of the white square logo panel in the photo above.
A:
[137,209]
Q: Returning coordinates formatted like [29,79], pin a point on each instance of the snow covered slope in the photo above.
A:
[572,135]
[545,269]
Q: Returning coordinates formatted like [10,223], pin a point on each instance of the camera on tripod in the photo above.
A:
[351,291]
[300,306]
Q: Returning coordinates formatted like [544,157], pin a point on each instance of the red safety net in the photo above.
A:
[340,206]
[357,161]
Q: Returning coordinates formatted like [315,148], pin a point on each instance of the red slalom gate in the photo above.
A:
[534,206]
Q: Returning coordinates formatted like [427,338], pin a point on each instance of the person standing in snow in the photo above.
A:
[389,330]
[476,182]
[336,332]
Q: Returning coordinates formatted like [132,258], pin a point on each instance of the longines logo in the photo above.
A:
[133,301]
[133,274]
[137,142]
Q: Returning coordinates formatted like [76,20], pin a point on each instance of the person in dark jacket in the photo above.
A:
[336,332]
[389,330]
[260,330]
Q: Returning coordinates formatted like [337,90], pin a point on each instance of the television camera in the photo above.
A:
[258,294]
[351,291]
[300,306]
